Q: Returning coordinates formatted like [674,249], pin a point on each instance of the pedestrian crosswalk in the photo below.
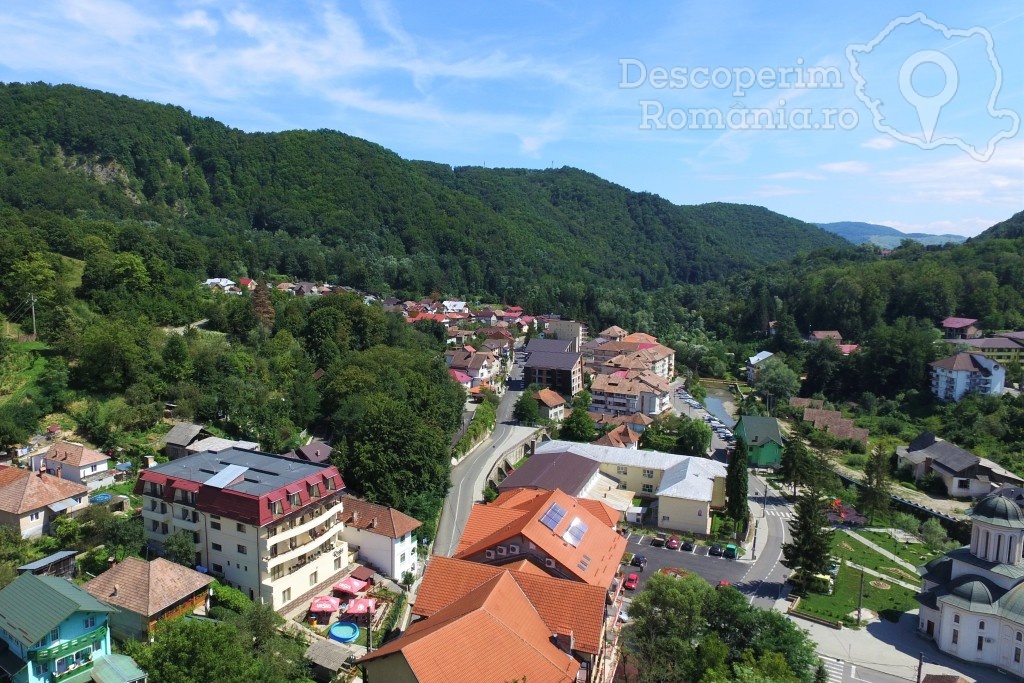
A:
[836,670]
[784,513]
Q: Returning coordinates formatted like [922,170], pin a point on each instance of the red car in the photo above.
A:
[673,543]
[631,582]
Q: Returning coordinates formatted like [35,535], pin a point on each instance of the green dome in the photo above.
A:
[1012,604]
[974,592]
[998,511]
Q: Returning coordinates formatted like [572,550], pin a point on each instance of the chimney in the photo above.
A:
[60,475]
[355,516]
[114,594]
[42,467]
[373,523]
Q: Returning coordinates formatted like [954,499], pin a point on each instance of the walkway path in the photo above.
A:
[888,554]
[884,577]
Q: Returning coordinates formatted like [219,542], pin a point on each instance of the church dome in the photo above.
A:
[974,592]
[1012,604]
[998,511]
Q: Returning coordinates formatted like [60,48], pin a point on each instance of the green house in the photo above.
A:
[763,439]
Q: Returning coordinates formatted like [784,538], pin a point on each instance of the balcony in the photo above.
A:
[185,518]
[302,555]
[326,519]
[72,670]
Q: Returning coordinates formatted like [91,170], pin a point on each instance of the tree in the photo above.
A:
[736,485]
[124,535]
[180,548]
[526,410]
[694,438]
[934,534]
[67,531]
[810,548]
[578,427]
[876,496]
[797,464]
[777,381]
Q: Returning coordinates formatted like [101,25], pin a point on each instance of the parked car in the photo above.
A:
[723,584]
[687,546]
[672,543]
[639,561]
[731,552]
[631,582]
[658,540]
[715,550]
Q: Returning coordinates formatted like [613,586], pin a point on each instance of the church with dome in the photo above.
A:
[972,599]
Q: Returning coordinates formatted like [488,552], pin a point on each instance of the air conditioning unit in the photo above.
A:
[502,550]
[489,554]
[513,549]
[549,563]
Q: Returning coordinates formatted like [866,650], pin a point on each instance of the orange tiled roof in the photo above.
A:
[74,454]
[379,519]
[549,398]
[514,514]
[620,437]
[492,633]
[22,491]
[640,338]
[147,588]
[606,513]
[565,606]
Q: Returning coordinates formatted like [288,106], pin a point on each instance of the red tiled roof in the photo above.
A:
[565,606]
[822,335]
[74,454]
[952,323]
[22,491]
[549,398]
[491,633]
[620,437]
[147,588]
[378,519]
[960,362]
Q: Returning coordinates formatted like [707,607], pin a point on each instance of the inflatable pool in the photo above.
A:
[344,632]
[100,498]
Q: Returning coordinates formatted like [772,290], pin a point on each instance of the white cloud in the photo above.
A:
[793,175]
[881,142]
[777,191]
[198,19]
[845,167]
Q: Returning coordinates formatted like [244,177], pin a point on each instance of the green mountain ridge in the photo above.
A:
[883,236]
[325,205]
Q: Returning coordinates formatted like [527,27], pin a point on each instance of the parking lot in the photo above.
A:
[697,561]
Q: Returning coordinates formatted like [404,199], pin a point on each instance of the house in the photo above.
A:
[60,563]
[558,534]
[972,598]
[481,366]
[567,330]
[683,488]
[247,283]
[576,475]
[30,501]
[955,376]
[1003,349]
[493,633]
[453,306]
[636,351]
[176,442]
[960,328]
[637,421]
[266,524]
[549,345]
[146,593]
[315,451]
[561,371]
[217,444]
[219,283]
[461,378]
[832,421]
[754,365]
[822,335]
[52,630]
[383,536]
[965,474]
[614,333]
[580,630]
[75,462]
[629,393]
[550,405]
[619,437]
[762,438]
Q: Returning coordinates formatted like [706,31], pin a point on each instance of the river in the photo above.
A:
[716,401]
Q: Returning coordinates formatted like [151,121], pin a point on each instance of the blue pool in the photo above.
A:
[344,632]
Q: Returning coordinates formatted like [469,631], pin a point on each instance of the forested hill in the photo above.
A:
[1011,228]
[323,205]
[884,236]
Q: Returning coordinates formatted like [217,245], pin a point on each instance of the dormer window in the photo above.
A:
[313,490]
[329,484]
[294,500]
[276,508]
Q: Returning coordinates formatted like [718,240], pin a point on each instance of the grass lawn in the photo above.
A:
[914,553]
[847,548]
[124,488]
[888,603]
[20,370]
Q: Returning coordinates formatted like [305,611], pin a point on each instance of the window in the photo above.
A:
[214,516]
[956,636]
[218,568]
[163,528]
[648,474]
[401,559]
[1020,636]
[277,572]
[294,500]
[981,625]
[981,642]
[215,525]
[647,488]
[55,635]
[215,546]
[152,505]
[329,484]
[963,484]
[155,525]
[337,562]
[313,490]
[34,516]
[96,645]
[241,549]
[312,579]
[41,668]
[621,469]
[276,508]
[286,595]
[956,618]
[664,518]
[240,528]
[90,621]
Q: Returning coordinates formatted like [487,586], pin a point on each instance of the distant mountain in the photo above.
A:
[1011,228]
[884,236]
[324,205]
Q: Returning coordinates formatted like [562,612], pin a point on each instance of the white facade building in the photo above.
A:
[383,537]
[967,373]
[266,524]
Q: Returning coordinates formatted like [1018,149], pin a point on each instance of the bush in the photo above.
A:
[231,598]
[224,614]
[856,460]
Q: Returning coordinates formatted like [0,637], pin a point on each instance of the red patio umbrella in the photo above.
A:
[324,603]
[361,606]
[350,585]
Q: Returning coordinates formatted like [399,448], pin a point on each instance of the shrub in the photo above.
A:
[224,614]
[856,460]
[231,598]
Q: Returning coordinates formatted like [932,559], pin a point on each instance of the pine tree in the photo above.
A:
[875,495]
[812,536]
[736,484]
[797,464]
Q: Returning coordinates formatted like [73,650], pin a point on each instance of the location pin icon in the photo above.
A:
[928,107]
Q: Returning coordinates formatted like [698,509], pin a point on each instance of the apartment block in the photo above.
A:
[266,524]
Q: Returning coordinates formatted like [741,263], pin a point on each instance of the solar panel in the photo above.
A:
[574,534]
[553,516]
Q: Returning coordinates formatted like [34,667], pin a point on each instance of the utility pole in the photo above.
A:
[32,298]
[920,664]
[860,599]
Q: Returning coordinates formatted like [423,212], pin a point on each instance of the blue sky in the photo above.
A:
[616,90]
